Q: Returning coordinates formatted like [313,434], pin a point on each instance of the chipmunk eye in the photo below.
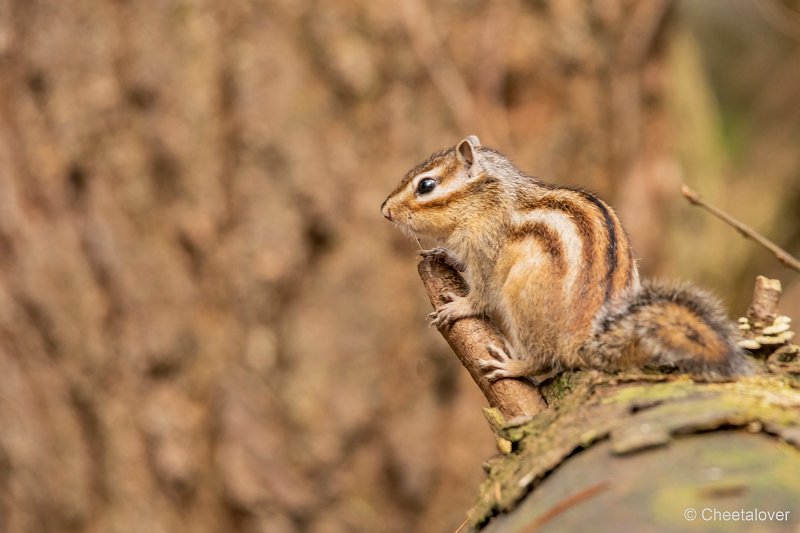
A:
[425,186]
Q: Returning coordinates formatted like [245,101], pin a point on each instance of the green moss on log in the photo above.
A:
[634,412]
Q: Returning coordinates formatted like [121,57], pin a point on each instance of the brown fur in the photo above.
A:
[604,275]
[668,326]
[554,269]
[547,238]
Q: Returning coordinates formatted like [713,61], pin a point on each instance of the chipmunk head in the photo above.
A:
[436,197]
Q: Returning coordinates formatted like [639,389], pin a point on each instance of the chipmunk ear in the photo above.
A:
[466,150]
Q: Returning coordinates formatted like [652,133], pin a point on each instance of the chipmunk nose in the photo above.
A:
[386,211]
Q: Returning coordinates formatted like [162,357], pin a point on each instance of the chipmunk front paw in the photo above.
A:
[445,256]
[456,308]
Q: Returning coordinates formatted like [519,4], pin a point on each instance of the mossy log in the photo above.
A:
[647,453]
[637,451]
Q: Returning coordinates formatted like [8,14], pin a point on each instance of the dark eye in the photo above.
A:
[425,186]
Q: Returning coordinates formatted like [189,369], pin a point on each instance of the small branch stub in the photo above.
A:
[469,337]
[766,295]
[767,333]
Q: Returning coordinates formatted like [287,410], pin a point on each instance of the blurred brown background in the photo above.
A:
[205,324]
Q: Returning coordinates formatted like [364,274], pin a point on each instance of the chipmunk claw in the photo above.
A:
[454,308]
[504,363]
[445,256]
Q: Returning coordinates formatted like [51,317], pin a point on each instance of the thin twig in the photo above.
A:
[464,523]
[575,499]
[782,255]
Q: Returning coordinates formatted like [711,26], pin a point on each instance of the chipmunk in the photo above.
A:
[553,268]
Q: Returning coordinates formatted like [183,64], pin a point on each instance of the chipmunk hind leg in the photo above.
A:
[530,314]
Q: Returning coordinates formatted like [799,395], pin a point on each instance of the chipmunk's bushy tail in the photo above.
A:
[662,325]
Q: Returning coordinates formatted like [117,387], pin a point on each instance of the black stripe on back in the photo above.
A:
[582,219]
[611,251]
[547,238]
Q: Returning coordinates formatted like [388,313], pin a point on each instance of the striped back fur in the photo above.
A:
[554,269]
